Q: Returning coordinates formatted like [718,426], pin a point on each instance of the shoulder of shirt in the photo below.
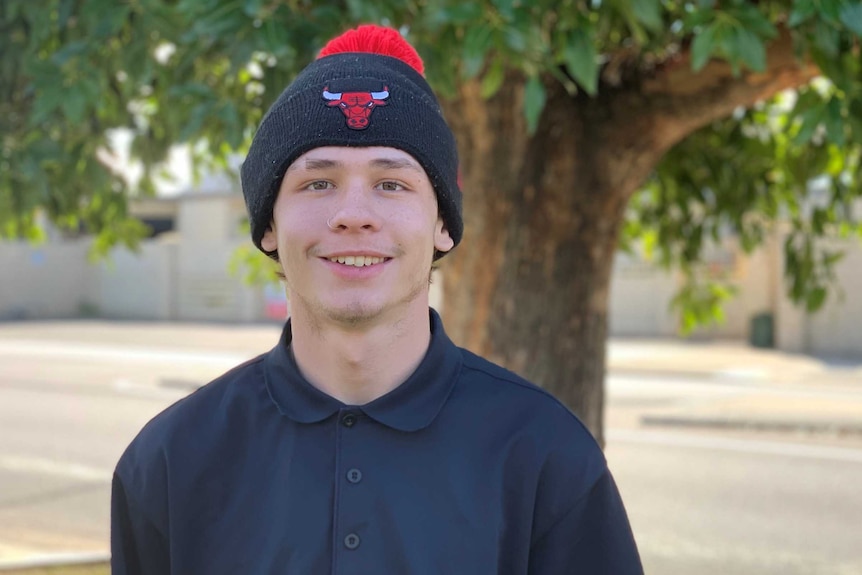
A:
[544,402]
[189,413]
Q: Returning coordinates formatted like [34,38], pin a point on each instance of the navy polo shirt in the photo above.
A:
[465,468]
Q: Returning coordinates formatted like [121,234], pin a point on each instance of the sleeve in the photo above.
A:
[594,536]
[138,547]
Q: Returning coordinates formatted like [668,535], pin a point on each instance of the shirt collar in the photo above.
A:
[411,406]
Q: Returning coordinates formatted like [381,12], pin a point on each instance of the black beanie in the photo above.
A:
[359,99]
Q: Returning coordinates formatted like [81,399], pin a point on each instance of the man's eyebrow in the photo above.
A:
[396,164]
[316,164]
[313,164]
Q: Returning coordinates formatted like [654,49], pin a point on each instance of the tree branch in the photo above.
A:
[648,115]
[683,100]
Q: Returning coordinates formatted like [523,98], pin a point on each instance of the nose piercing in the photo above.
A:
[329,224]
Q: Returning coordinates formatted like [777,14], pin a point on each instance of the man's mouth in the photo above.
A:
[357,261]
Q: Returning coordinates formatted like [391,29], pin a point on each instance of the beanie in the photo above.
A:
[365,89]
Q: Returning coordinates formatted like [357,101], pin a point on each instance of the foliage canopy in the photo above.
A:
[204,71]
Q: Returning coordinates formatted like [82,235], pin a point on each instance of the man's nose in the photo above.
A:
[355,209]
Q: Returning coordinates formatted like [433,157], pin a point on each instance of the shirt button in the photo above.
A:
[351,541]
[348,420]
[354,476]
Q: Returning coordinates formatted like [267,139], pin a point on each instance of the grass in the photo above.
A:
[102,569]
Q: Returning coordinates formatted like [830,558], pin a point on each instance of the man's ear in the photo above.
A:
[443,242]
[269,241]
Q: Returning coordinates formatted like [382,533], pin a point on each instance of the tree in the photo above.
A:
[563,109]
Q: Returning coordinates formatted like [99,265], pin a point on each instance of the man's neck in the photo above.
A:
[356,366]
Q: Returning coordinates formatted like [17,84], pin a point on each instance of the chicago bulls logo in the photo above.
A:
[356,106]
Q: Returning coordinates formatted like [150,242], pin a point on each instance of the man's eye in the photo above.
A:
[391,186]
[319,185]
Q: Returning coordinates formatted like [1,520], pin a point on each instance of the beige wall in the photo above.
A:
[211,218]
[837,328]
[47,281]
[641,295]
[184,276]
[640,299]
[139,285]
[204,289]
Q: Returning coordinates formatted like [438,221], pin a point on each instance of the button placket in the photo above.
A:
[352,513]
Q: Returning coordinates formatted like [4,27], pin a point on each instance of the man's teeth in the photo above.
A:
[358,261]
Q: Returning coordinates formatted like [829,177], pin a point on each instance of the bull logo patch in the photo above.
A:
[356,106]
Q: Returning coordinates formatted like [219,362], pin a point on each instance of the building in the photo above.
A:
[182,274]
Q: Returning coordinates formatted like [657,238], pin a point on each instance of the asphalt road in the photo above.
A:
[699,502]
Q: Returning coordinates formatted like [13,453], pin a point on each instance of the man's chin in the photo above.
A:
[354,315]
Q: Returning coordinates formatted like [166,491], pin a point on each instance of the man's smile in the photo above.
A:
[357,261]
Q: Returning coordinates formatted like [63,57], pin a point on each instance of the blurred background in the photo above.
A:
[662,205]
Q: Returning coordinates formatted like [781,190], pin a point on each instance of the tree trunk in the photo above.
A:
[529,286]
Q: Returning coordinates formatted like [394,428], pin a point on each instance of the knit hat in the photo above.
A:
[365,89]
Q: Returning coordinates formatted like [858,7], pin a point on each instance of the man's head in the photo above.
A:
[355,230]
[365,90]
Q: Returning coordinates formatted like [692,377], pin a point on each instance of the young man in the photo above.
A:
[365,442]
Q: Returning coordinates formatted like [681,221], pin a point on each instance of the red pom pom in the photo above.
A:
[375,40]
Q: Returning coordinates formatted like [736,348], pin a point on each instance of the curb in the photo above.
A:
[746,376]
[55,560]
[834,428]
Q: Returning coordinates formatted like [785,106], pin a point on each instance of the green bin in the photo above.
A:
[762,331]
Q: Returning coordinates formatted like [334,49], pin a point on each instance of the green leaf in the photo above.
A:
[68,52]
[703,46]
[830,10]
[753,20]
[516,40]
[534,102]
[47,100]
[802,11]
[505,8]
[648,13]
[196,121]
[459,14]
[112,20]
[827,39]
[750,49]
[832,258]
[493,78]
[252,8]
[477,41]
[815,300]
[834,122]
[811,118]
[851,16]
[855,119]
[74,104]
[581,60]
[66,8]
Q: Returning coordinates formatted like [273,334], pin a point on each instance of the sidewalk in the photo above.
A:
[777,391]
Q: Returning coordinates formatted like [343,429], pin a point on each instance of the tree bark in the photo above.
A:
[529,286]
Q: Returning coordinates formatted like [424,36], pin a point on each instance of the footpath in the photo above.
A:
[783,391]
[767,390]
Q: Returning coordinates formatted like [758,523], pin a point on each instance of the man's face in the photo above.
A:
[356,230]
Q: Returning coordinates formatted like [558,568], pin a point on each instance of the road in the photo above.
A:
[700,501]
